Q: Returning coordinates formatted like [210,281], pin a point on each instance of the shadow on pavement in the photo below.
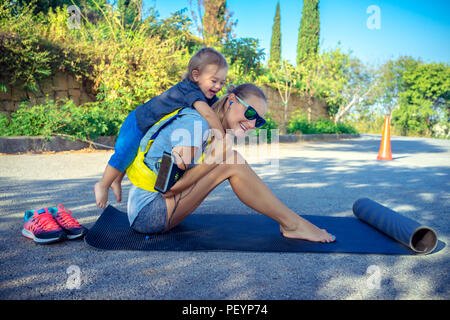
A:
[307,186]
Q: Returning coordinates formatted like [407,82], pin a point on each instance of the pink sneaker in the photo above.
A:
[40,226]
[69,224]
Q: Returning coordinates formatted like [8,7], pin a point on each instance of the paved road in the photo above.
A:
[313,178]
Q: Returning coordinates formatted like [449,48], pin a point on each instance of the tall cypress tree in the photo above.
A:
[275,43]
[308,36]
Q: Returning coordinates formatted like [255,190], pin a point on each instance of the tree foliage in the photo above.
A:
[345,83]
[88,7]
[275,43]
[123,66]
[176,27]
[214,21]
[415,93]
[285,79]
[127,63]
[245,58]
[308,36]
[424,97]
[130,11]
[391,81]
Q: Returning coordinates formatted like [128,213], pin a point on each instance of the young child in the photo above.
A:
[207,72]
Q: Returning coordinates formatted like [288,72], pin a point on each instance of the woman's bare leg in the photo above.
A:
[252,191]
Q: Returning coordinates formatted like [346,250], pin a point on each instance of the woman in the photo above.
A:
[241,110]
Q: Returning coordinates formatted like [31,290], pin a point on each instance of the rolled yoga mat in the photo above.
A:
[241,232]
[417,237]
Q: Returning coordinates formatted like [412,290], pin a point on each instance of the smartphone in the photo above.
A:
[168,173]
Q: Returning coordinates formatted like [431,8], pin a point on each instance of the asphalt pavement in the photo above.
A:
[318,178]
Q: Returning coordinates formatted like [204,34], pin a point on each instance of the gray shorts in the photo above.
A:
[153,217]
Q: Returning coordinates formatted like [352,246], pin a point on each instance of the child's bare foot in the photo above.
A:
[117,190]
[101,195]
[307,231]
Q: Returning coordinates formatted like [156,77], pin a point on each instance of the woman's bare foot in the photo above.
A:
[101,195]
[307,231]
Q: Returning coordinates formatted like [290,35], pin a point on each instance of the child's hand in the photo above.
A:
[116,187]
[101,195]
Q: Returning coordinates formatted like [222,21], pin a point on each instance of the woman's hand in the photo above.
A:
[184,156]
[168,194]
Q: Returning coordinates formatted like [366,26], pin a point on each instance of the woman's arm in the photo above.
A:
[184,155]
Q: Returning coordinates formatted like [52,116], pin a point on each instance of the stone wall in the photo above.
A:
[60,86]
[296,102]
[63,85]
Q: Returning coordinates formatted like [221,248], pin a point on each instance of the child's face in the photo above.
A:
[210,80]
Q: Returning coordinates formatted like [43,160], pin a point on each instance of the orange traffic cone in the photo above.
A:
[385,146]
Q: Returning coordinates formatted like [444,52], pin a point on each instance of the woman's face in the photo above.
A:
[235,119]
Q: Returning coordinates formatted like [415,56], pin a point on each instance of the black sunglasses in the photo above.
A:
[251,114]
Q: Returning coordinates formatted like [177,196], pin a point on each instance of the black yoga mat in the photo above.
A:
[240,232]
[417,237]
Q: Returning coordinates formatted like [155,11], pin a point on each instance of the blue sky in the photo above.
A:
[420,29]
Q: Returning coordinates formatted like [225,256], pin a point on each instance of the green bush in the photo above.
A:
[347,128]
[299,123]
[269,125]
[85,122]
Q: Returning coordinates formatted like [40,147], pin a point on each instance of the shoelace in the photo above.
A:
[46,222]
[67,219]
